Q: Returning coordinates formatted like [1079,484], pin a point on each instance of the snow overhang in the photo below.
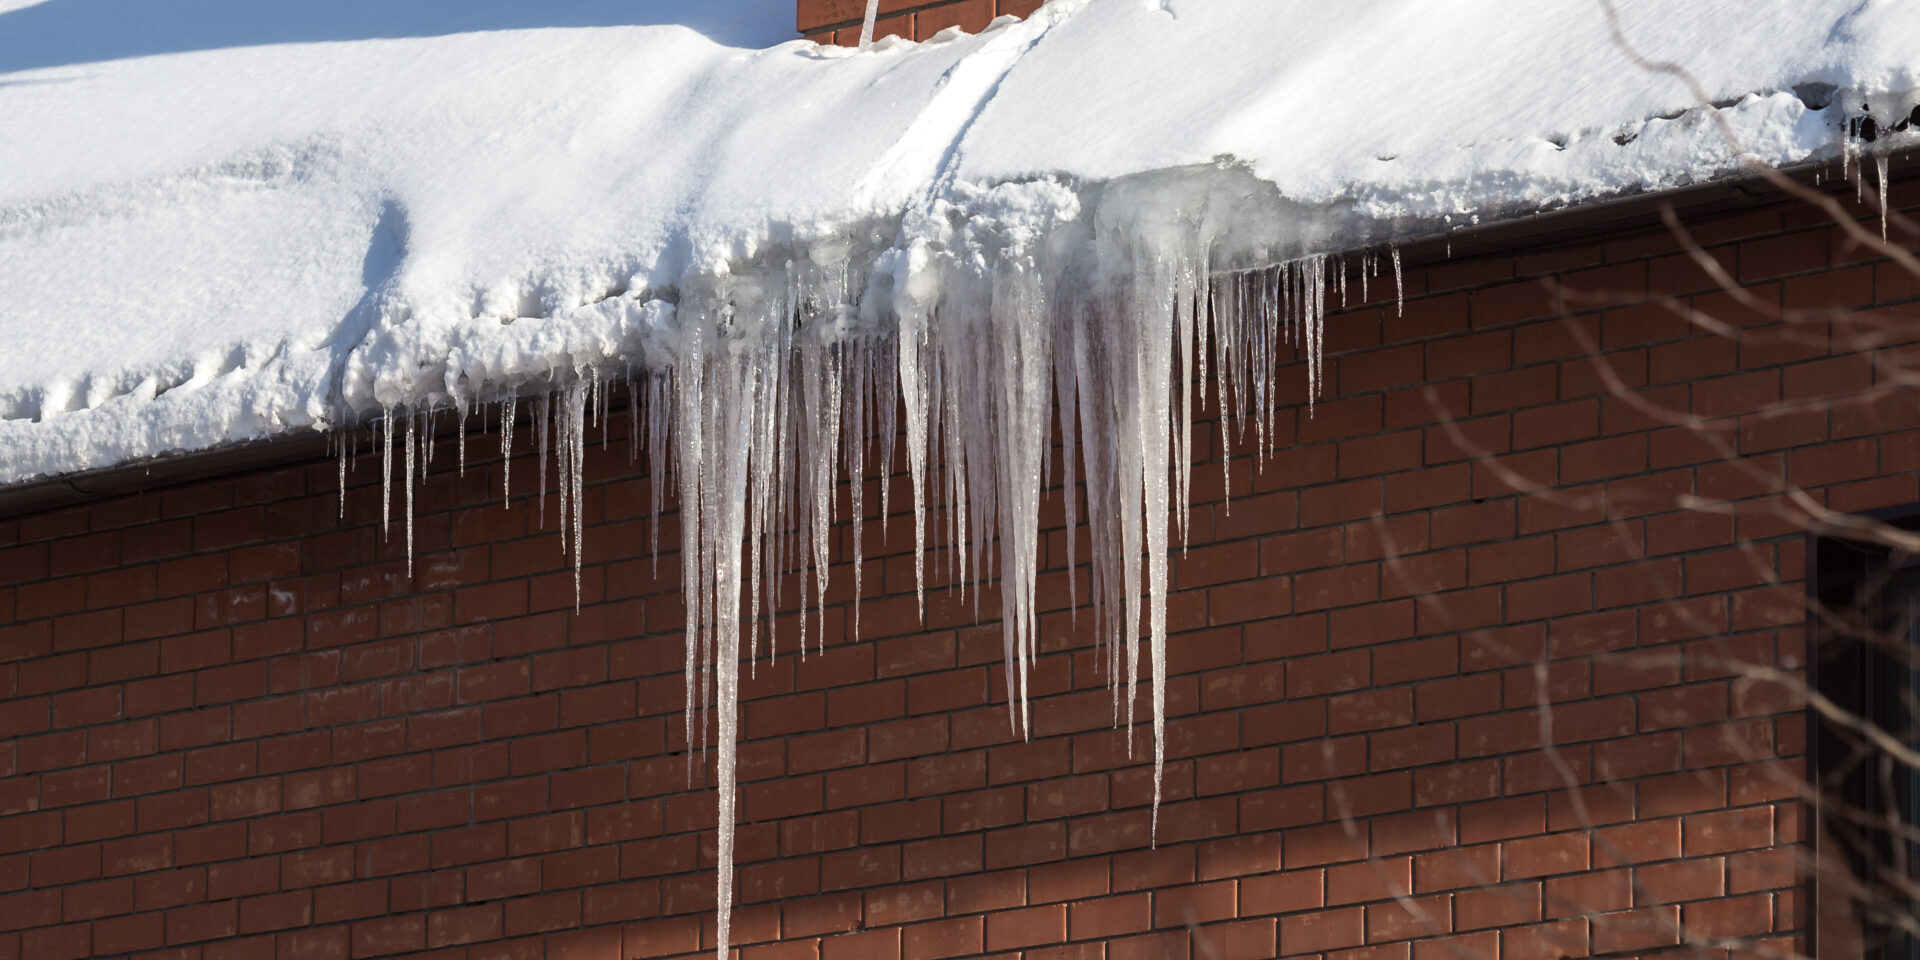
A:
[1581,224]
[216,246]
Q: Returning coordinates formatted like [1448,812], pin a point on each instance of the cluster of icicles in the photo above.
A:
[1854,152]
[760,425]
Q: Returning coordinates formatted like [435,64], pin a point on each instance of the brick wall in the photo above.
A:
[839,21]
[231,728]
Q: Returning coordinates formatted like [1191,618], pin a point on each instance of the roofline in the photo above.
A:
[1622,215]
[168,470]
[1577,225]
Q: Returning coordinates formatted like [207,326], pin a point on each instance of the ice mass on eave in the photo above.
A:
[223,223]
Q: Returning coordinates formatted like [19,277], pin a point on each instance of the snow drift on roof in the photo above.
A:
[210,234]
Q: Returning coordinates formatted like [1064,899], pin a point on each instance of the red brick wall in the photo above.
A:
[231,728]
[839,21]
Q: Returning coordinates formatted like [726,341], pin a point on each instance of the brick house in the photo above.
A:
[1478,668]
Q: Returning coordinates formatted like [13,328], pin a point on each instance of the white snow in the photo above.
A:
[222,221]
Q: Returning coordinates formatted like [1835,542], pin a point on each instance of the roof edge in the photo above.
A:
[1545,231]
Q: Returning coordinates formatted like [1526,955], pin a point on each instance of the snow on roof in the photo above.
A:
[220,223]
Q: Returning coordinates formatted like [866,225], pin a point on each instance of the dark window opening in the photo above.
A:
[1865,619]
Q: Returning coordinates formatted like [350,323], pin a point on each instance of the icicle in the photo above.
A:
[1181,410]
[912,343]
[386,472]
[1154,412]
[1064,394]
[340,438]
[866,40]
[573,484]
[854,433]
[633,418]
[605,417]
[507,408]
[579,501]
[557,433]
[460,434]
[1399,287]
[409,491]
[1225,324]
[1855,155]
[824,393]
[763,402]
[659,398]
[1880,170]
[690,462]
[732,412]
[1314,321]
[542,426]
[887,402]
[426,437]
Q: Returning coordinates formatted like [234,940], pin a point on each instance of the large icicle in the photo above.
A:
[1881,188]
[412,442]
[866,23]
[1399,286]
[1156,306]
[507,407]
[996,315]
[386,472]
[340,438]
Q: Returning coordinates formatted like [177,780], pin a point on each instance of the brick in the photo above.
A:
[388,935]
[970,16]
[1761,870]
[1679,880]
[1641,842]
[1321,931]
[275,912]
[51,868]
[1030,927]
[466,925]
[1493,906]
[57,943]
[941,857]
[1544,856]
[136,855]
[1726,831]
[1587,893]
[985,892]
[127,934]
[945,938]
[1456,697]
[1287,892]
[203,922]
[868,945]
[1728,917]
[1107,918]
[1422,489]
[1376,879]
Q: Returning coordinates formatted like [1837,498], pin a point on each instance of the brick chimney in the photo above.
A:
[838,21]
